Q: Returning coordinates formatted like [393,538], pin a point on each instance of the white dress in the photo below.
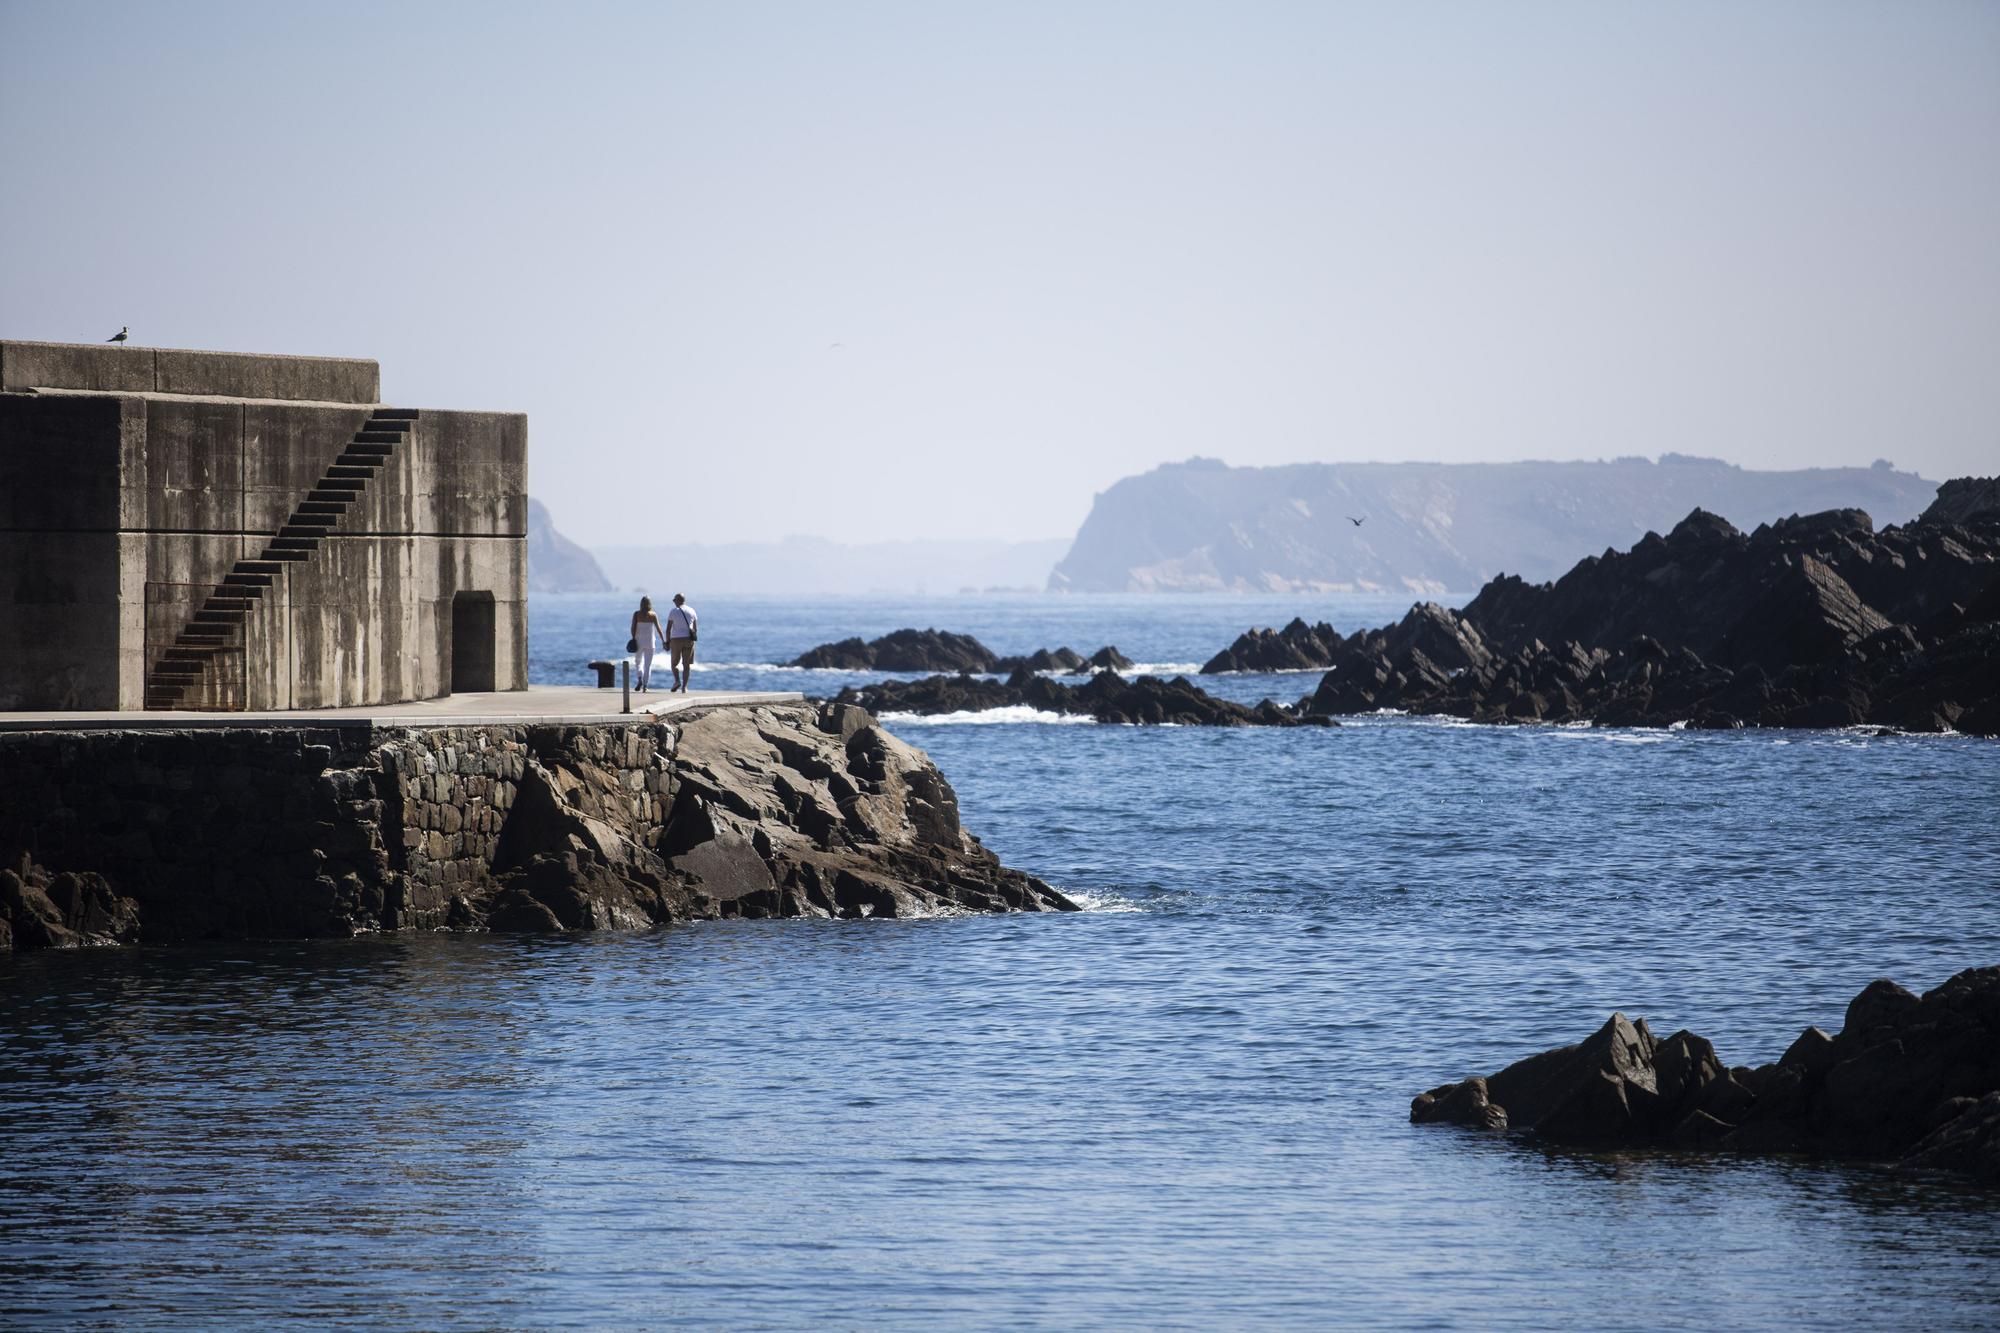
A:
[646,636]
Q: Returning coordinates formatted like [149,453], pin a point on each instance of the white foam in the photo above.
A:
[1091,901]
[1619,735]
[1282,671]
[1170,669]
[982,717]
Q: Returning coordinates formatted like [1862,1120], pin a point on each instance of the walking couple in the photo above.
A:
[677,634]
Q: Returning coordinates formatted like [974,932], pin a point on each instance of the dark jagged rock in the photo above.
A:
[773,810]
[1814,621]
[1108,658]
[64,911]
[1065,661]
[902,650]
[1964,501]
[1908,1079]
[1107,697]
[1296,647]
[941,650]
[1062,659]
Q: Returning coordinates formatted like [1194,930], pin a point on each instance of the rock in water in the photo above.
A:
[902,650]
[65,911]
[1908,1079]
[1813,621]
[941,650]
[1062,659]
[1108,658]
[1296,647]
[1107,697]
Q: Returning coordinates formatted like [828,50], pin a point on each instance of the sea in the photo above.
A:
[1184,1107]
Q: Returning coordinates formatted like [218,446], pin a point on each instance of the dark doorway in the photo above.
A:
[473,644]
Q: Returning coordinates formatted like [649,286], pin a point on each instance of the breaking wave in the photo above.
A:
[1013,713]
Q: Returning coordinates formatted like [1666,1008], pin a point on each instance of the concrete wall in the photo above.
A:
[112,368]
[59,572]
[104,494]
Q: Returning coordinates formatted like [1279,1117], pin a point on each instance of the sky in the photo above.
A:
[880,271]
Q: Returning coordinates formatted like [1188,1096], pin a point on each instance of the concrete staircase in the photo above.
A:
[220,622]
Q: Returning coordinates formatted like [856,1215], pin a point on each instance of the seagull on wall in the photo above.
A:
[1357,522]
[124,332]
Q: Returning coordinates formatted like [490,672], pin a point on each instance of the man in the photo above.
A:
[681,622]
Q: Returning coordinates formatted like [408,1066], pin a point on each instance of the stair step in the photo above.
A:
[257,581]
[349,470]
[185,656]
[286,555]
[332,509]
[226,619]
[394,414]
[370,461]
[289,542]
[257,566]
[377,440]
[317,522]
[341,492]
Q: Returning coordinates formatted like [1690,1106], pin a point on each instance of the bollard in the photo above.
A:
[628,687]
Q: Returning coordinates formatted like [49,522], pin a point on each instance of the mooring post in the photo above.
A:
[628,687]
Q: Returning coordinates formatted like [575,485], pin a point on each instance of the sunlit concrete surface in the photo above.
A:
[538,705]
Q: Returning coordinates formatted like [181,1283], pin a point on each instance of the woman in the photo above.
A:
[646,635]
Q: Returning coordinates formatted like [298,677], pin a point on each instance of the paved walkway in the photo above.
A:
[542,705]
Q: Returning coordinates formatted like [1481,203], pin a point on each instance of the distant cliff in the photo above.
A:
[1203,526]
[555,563]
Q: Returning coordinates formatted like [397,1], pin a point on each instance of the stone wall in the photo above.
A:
[300,831]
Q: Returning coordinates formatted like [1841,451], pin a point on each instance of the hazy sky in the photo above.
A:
[936,269]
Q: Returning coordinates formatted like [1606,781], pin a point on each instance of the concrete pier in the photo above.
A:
[537,706]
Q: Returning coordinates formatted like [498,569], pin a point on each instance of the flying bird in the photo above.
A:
[124,332]
[1357,522]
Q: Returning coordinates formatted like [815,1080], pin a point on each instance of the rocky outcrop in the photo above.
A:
[555,563]
[1106,697]
[1815,621]
[1296,647]
[902,650]
[1907,1079]
[780,810]
[67,911]
[1065,661]
[941,650]
[1424,528]
[1108,658]
[1964,501]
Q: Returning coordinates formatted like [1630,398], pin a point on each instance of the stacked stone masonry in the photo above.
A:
[301,831]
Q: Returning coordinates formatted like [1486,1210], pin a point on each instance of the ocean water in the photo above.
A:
[1186,1107]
